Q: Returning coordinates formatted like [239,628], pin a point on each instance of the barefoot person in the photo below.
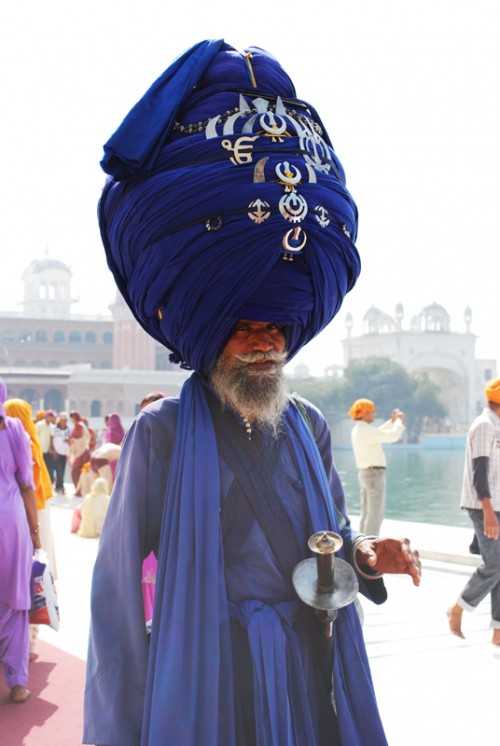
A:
[481,499]
[19,534]
[233,259]
[367,441]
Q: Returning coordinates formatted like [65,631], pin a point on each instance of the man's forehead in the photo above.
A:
[254,323]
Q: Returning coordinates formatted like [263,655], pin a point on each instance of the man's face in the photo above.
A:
[249,372]
[255,339]
[50,419]
[370,416]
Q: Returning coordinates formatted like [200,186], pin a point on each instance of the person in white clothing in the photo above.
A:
[367,440]
[481,499]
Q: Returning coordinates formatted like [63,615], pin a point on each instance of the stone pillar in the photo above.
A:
[132,347]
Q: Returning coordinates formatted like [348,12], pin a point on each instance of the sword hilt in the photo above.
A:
[325,583]
[324,544]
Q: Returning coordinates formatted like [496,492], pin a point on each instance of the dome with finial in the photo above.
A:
[435,318]
[47,288]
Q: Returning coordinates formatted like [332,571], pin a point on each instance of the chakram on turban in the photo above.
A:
[492,391]
[360,408]
[226,201]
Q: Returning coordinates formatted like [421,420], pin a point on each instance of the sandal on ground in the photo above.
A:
[19,694]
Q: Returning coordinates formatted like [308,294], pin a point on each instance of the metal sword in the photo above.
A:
[325,583]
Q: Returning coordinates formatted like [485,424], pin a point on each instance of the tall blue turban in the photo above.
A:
[226,201]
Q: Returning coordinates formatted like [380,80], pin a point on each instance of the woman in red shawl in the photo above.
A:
[114,434]
[79,440]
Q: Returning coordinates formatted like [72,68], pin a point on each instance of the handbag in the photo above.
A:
[44,606]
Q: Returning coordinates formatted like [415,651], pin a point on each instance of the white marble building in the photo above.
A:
[427,344]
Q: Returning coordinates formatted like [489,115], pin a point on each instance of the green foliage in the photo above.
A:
[388,384]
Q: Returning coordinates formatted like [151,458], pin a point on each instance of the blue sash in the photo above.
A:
[189,692]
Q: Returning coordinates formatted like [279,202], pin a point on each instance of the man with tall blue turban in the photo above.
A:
[230,234]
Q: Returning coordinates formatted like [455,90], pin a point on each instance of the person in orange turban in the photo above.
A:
[367,441]
[361,408]
[492,391]
[481,499]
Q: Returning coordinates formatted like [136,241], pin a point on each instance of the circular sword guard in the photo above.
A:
[325,583]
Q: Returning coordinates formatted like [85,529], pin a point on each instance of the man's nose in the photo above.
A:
[261,342]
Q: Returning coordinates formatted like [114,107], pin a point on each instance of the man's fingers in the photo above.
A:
[371,559]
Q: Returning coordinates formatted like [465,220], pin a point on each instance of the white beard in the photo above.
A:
[258,395]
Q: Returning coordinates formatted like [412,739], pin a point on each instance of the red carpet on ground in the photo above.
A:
[53,714]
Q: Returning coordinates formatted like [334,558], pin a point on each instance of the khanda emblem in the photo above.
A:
[315,150]
[292,205]
[274,126]
[241,149]
[259,211]
[322,216]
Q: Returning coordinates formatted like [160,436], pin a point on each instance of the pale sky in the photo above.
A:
[407,90]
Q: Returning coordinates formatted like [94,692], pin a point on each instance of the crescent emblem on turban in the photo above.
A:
[294,242]
[259,176]
[289,175]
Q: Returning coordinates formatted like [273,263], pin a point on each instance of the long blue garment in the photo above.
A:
[204,587]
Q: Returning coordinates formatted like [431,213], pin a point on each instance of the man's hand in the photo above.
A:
[491,526]
[390,556]
[397,414]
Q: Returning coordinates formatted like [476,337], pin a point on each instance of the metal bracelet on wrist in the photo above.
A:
[356,543]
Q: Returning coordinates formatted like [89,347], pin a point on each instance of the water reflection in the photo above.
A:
[422,485]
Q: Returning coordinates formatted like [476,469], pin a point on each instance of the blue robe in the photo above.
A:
[282,674]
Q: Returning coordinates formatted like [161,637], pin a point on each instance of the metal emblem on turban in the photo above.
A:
[289,175]
[316,151]
[293,243]
[322,216]
[274,126]
[293,207]
[259,211]
[242,149]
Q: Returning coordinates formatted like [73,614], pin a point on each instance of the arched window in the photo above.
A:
[19,363]
[31,396]
[40,335]
[107,338]
[106,364]
[95,408]
[59,337]
[53,364]
[75,338]
[90,338]
[37,364]
[53,399]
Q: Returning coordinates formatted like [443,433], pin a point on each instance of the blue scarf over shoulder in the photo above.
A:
[226,201]
[189,694]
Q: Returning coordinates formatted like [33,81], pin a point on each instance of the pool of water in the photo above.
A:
[422,485]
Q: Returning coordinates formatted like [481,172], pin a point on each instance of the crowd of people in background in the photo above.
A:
[39,455]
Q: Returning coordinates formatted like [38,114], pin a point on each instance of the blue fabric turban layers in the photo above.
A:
[226,201]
